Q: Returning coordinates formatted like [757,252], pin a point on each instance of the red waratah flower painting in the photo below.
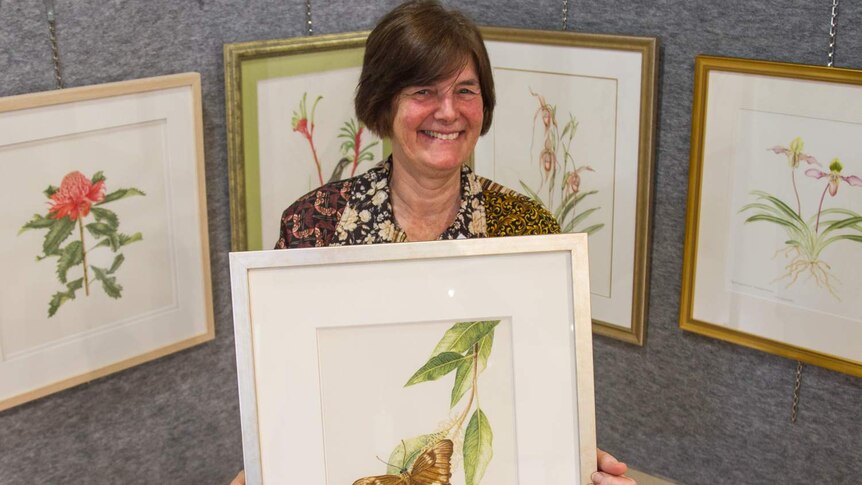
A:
[79,198]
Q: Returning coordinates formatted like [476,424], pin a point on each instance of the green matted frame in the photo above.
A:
[246,65]
[249,63]
[737,210]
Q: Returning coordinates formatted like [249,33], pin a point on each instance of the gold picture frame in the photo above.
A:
[116,276]
[606,84]
[626,65]
[263,85]
[767,272]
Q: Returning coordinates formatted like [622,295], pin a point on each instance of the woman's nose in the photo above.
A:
[446,107]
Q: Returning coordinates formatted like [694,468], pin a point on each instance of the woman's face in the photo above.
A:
[435,127]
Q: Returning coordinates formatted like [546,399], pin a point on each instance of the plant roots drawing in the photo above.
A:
[808,237]
[76,199]
[352,151]
[464,350]
[557,145]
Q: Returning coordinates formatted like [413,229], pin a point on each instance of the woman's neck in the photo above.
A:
[424,206]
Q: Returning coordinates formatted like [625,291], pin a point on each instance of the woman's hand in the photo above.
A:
[239,479]
[611,471]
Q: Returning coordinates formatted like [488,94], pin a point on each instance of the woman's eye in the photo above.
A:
[421,92]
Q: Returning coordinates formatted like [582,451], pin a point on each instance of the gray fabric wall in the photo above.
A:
[686,407]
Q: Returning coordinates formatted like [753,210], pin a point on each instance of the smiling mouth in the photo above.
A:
[442,136]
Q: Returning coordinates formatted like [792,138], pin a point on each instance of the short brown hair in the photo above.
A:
[418,43]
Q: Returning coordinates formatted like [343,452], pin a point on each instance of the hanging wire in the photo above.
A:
[52,32]
[308,17]
[796,387]
[832,32]
[565,15]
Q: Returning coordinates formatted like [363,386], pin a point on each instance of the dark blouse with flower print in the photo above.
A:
[359,211]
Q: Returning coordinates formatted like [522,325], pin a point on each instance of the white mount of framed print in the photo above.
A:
[467,361]
[104,234]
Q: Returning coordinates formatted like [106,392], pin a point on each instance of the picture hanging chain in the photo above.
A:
[308,17]
[52,30]
[832,32]
[565,15]
[796,387]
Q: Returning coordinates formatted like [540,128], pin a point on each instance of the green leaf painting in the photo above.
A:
[464,349]
[478,451]
[561,176]
[76,199]
[806,238]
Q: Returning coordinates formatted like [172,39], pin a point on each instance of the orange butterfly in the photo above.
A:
[431,468]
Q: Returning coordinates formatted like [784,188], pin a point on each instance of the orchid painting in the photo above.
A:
[809,233]
[560,174]
[352,151]
[79,198]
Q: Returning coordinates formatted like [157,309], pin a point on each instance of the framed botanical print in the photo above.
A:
[774,233]
[464,361]
[104,232]
[291,126]
[574,130]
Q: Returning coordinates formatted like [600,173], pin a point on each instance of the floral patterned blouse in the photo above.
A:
[359,211]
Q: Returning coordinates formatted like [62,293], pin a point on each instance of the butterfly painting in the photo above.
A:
[432,467]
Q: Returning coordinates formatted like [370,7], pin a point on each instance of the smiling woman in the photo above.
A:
[426,83]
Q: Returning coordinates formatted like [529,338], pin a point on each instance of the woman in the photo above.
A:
[426,83]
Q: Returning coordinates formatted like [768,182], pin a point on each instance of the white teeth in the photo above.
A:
[442,136]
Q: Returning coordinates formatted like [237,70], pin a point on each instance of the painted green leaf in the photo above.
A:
[849,222]
[485,350]
[790,213]
[37,222]
[60,230]
[773,219]
[437,367]
[405,453]
[72,255]
[478,451]
[98,176]
[571,204]
[120,194]
[116,240]
[109,283]
[463,335]
[106,216]
[51,190]
[464,374]
[125,240]
[580,217]
[592,229]
[847,237]
[532,194]
[63,296]
[116,264]
[100,229]
[463,381]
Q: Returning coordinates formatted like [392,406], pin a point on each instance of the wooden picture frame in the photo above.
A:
[105,232]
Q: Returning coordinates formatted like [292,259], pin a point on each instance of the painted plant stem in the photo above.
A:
[84,256]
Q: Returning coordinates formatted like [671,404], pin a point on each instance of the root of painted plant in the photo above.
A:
[816,269]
